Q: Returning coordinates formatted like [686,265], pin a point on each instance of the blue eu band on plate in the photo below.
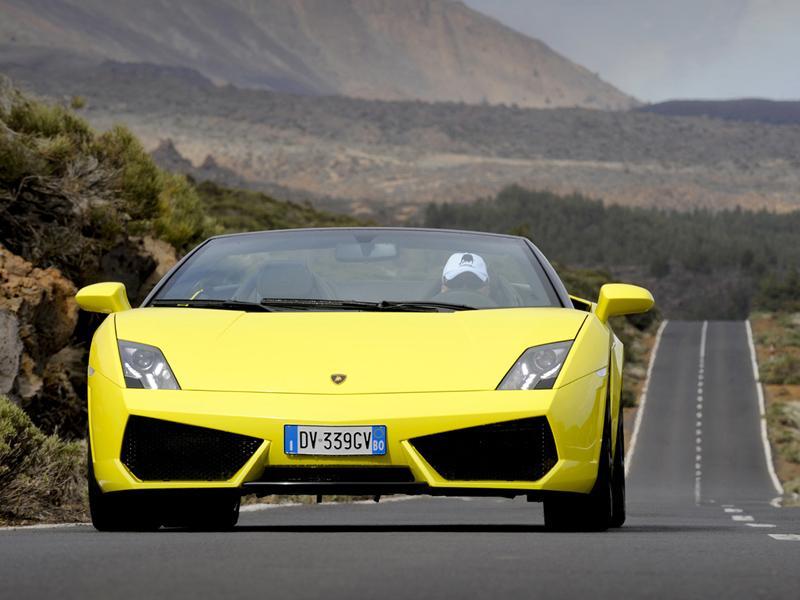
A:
[335,440]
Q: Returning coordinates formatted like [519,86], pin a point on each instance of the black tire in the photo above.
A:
[118,511]
[618,478]
[589,512]
[205,512]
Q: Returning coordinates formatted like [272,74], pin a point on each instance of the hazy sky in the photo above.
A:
[660,49]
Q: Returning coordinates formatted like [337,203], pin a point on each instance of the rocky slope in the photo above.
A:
[436,50]
[393,156]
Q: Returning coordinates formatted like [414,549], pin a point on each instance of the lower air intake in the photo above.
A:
[156,450]
[522,450]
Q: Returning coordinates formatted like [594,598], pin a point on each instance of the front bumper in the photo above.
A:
[574,413]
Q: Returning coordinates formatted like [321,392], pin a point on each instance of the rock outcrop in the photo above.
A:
[43,342]
[38,315]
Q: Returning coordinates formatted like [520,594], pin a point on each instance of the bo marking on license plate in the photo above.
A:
[334,440]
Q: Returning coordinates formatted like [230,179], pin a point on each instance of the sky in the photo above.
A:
[664,49]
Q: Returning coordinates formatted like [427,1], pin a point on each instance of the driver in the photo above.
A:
[465,271]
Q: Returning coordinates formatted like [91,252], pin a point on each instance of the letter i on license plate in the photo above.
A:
[335,440]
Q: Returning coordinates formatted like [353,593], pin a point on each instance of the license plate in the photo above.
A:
[348,440]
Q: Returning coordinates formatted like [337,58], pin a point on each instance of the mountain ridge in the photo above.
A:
[753,110]
[433,50]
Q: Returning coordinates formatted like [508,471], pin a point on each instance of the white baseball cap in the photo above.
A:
[465,262]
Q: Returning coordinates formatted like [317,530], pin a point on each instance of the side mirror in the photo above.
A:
[622,299]
[106,298]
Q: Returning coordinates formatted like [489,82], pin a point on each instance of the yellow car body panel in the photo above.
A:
[296,352]
[415,373]
[575,414]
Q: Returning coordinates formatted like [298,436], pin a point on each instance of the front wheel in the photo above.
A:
[117,511]
[618,479]
[590,512]
[203,512]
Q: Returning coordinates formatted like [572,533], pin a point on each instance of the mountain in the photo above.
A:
[757,110]
[371,156]
[434,50]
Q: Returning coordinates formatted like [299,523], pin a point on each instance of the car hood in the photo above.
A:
[378,352]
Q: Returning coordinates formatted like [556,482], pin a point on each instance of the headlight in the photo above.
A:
[537,368]
[145,367]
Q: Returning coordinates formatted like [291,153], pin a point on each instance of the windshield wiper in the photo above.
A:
[218,304]
[317,303]
[383,305]
[272,304]
[422,304]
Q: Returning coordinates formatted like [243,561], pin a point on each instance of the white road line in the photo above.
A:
[643,398]
[733,510]
[700,369]
[264,506]
[785,537]
[761,525]
[762,412]
[703,345]
[742,518]
[43,526]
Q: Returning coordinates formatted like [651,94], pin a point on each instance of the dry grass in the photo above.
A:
[777,337]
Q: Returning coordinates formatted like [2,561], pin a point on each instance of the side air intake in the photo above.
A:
[156,450]
[522,450]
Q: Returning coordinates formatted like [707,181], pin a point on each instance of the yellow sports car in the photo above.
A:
[363,361]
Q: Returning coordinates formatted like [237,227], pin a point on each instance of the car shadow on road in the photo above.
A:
[415,528]
[458,528]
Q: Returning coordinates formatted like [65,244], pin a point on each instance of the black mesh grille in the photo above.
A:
[338,475]
[156,450]
[521,450]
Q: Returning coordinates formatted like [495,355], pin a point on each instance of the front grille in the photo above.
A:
[337,475]
[522,450]
[156,450]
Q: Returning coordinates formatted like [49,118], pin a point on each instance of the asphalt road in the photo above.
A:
[700,523]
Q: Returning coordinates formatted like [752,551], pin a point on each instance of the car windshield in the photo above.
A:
[360,269]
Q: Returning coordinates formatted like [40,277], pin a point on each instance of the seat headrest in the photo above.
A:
[286,280]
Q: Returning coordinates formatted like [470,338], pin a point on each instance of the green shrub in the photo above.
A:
[77,194]
[243,210]
[45,120]
[17,161]
[784,427]
[41,477]
[779,293]
[182,220]
[628,397]
[783,369]
[139,182]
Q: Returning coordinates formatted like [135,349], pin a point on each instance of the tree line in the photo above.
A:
[759,251]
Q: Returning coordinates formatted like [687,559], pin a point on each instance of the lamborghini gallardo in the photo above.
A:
[361,361]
